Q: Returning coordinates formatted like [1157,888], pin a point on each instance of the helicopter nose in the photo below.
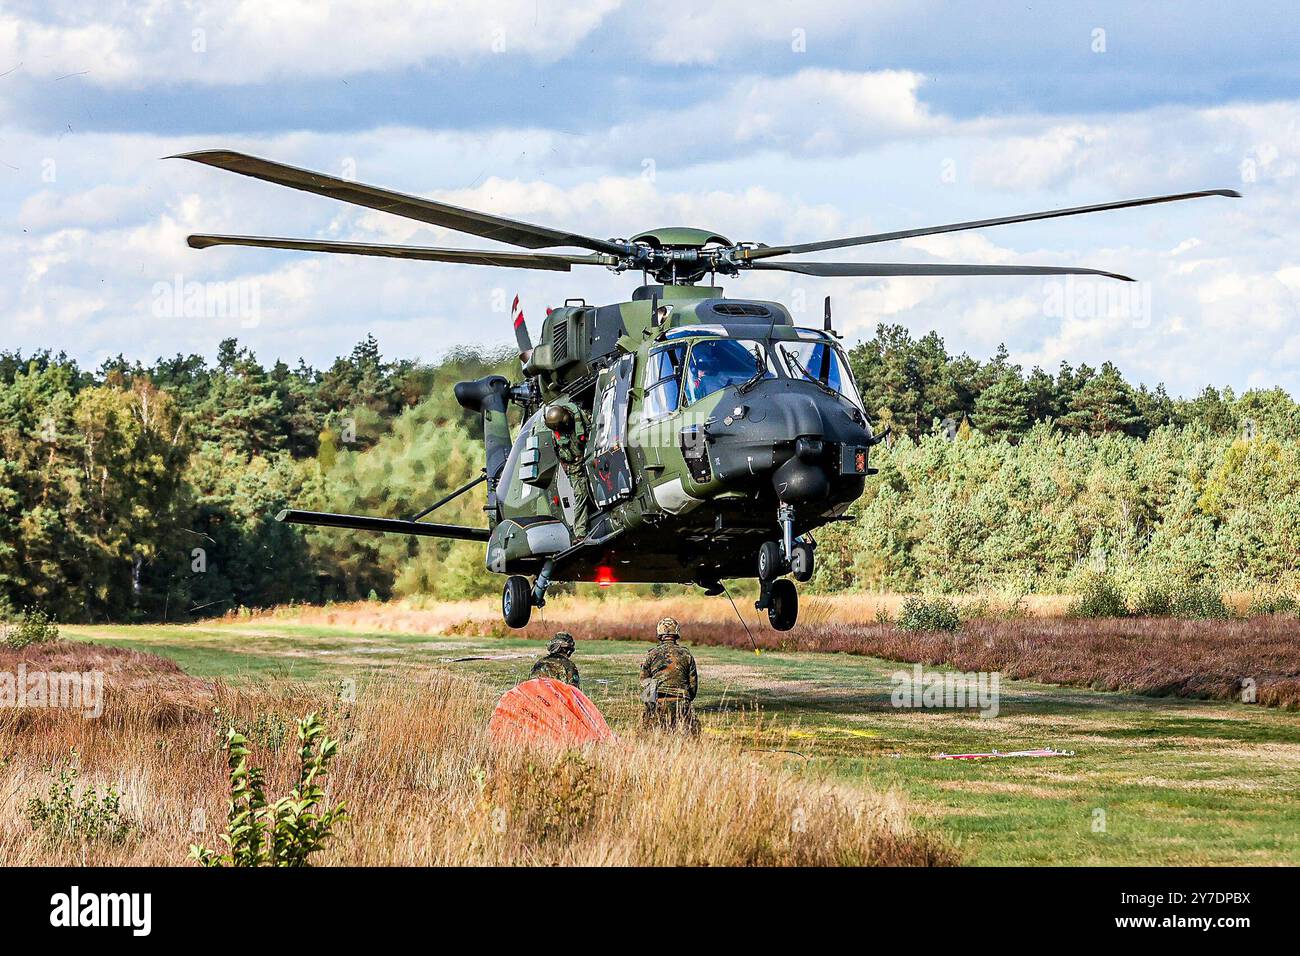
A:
[800,482]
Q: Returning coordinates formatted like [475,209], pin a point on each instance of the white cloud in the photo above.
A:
[1223,275]
[247,41]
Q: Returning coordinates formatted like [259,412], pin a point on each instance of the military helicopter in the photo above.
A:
[723,434]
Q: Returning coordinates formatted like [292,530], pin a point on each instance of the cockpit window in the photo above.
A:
[822,362]
[662,381]
[717,363]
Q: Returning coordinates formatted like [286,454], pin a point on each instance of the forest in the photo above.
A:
[139,492]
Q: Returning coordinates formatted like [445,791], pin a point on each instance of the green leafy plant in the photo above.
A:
[60,815]
[928,614]
[1099,596]
[1153,600]
[269,729]
[288,831]
[1198,601]
[30,626]
[1275,602]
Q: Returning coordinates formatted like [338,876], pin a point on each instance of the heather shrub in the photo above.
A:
[928,614]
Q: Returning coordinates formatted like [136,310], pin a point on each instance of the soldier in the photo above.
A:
[558,663]
[568,423]
[670,682]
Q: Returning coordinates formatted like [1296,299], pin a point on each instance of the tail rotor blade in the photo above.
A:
[521,331]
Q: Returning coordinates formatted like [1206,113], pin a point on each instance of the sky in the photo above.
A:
[778,122]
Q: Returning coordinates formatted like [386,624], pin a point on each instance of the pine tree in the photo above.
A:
[1103,404]
[1003,407]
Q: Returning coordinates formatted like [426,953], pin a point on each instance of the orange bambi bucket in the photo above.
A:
[543,710]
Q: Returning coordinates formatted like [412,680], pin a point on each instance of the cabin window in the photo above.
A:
[662,379]
[717,363]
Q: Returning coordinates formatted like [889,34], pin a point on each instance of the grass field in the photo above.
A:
[1174,781]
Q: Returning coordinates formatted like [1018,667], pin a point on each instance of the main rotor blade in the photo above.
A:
[399,204]
[765,252]
[926,269]
[477,257]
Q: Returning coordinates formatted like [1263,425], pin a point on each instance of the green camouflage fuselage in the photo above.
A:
[688,489]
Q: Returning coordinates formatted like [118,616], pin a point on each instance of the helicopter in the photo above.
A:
[723,434]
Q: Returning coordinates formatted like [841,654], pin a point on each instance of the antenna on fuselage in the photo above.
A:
[827,325]
[824,374]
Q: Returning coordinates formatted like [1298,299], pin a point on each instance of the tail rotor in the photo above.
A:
[521,331]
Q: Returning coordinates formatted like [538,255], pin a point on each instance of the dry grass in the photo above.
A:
[426,786]
[627,611]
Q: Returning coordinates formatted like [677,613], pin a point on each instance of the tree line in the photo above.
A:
[147,492]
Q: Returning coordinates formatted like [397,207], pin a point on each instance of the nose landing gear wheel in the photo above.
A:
[769,561]
[782,605]
[516,601]
[801,562]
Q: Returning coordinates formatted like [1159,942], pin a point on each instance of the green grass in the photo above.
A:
[1180,781]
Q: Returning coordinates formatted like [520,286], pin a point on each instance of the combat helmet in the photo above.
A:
[667,627]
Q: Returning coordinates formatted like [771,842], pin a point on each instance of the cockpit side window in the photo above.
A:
[662,381]
[717,363]
[820,361]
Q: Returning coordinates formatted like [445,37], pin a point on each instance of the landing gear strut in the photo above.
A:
[775,558]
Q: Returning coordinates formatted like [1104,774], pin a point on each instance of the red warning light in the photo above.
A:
[604,576]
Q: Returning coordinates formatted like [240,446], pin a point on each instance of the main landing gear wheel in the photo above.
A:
[782,605]
[516,601]
[801,562]
[769,561]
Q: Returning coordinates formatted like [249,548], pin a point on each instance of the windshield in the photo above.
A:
[822,362]
[717,363]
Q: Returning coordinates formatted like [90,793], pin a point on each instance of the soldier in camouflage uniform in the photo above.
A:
[558,663]
[669,682]
[568,423]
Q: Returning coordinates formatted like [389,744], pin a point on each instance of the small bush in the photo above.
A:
[284,833]
[1100,596]
[928,614]
[1198,601]
[30,626]
[556,801]
[1153,600]
[61,816]
[1276,602]
[269,730]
